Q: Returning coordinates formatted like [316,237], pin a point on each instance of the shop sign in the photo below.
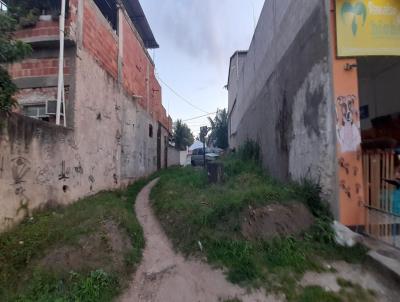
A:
[368,28]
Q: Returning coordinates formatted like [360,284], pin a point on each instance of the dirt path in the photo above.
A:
[165,276]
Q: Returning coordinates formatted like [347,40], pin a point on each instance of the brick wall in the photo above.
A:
[101,42]
[99,39]
[134,64]
[42,28]
[38,67]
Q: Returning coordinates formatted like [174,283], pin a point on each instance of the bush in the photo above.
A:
[250,151]
[7,90]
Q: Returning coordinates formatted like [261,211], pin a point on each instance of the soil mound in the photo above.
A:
[276,220]
[103,249]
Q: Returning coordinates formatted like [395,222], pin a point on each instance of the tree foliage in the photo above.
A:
[219,129]
[10,51]
[183,137]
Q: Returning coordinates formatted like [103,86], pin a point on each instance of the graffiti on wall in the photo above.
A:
[20,167]
[64,172]
[44,175]
[348,124]
[79,169]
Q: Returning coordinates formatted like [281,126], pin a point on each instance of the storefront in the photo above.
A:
[366,80]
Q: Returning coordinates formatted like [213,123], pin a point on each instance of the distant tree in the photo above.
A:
[183,137]
[10,51]
[219,129]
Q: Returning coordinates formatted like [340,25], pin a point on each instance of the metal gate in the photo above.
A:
[382,198]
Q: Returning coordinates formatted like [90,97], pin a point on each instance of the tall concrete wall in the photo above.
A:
[284,94]
[108,146]
[112,101]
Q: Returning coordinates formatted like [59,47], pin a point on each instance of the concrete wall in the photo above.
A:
[284,95]
[236,77]
[42,163]
[174,157]
[110,107]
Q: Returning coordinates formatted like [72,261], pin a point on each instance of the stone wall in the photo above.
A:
[284,94]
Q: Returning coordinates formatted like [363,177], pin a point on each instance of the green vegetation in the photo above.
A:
[10,51]
[316,293]
[348,293]
[27,12]
[219,129]
[354,292]
[233,300]
[212,215]
[182,135]
[22,278]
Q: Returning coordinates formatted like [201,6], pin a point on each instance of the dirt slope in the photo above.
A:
[165,276]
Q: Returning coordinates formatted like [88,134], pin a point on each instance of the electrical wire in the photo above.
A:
[198,117]
[181,97]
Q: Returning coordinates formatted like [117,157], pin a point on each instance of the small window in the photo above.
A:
[36,111]
[151,130]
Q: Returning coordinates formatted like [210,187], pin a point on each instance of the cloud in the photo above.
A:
[207,31]
[194,28]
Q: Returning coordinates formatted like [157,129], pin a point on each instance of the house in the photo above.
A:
[318,90]
[116,129]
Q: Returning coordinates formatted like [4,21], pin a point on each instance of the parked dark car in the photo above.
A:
[197,158]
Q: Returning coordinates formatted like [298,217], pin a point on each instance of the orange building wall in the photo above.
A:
[345,85]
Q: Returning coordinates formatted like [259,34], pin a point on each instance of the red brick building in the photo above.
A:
[116,37]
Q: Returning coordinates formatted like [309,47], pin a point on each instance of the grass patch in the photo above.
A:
[349,293]
[352,292]
[212,214]
[316,293]
[22,279]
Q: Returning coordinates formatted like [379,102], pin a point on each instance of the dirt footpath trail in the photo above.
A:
[165,276]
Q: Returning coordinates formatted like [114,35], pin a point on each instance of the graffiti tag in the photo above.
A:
[19,168]
[64,172]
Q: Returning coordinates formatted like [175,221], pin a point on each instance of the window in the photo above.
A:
[151,130]
[37,111]
[3,6]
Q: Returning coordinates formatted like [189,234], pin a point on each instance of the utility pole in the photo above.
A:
[60,91]
[203,134]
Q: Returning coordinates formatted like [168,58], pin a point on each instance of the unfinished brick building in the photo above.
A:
[116,127]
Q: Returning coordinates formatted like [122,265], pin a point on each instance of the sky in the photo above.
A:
[197,39]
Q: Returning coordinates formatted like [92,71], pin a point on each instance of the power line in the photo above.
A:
[198,117]
[181,97]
